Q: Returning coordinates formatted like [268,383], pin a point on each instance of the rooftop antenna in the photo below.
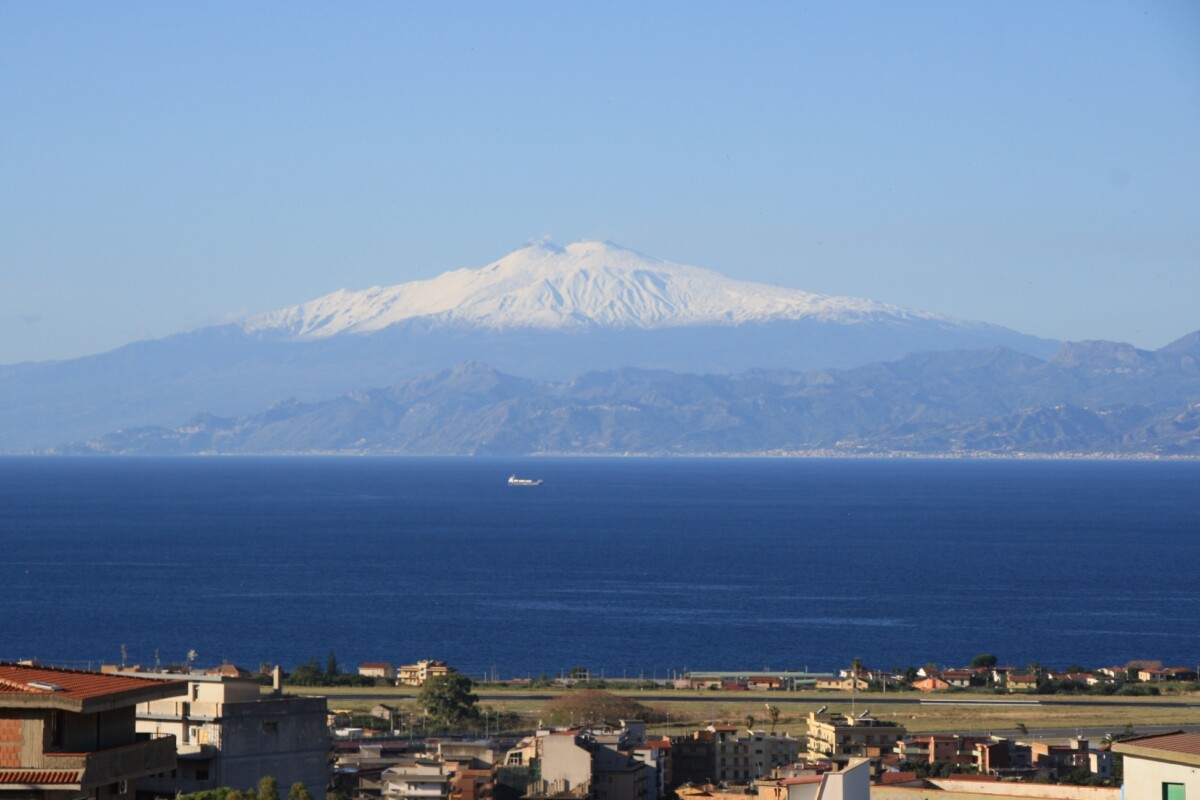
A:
[124,654]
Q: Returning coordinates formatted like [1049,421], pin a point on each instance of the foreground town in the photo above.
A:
[125,733]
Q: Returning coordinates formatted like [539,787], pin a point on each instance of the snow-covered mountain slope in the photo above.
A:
[582,285]
[541,312]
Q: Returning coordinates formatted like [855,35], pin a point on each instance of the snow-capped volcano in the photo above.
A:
[582,285]
[542,312]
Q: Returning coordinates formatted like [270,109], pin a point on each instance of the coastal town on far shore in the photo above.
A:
[392,732]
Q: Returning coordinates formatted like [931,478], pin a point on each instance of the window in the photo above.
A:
[1173,791]
[201,774]
[270,727]
[56,729]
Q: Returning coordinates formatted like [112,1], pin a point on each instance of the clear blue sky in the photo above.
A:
[1031,164]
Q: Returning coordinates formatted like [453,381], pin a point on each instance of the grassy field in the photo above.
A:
[684,711]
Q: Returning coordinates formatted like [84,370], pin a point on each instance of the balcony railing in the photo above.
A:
[118,763]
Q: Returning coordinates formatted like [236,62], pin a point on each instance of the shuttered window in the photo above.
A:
[1173,791]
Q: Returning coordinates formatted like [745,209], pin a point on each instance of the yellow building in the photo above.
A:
[841,737]
[416,674]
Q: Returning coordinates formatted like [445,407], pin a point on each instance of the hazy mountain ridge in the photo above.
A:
[994,401]
[544,312]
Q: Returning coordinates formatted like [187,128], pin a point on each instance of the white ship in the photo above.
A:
[513,480]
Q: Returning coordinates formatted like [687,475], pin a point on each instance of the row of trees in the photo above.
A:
[311,674]
[267,789]
[449,703]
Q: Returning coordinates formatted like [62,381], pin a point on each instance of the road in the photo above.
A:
[881,698]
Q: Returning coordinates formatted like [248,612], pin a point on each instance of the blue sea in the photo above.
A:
[626,566]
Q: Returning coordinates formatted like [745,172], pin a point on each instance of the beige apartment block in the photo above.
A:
[416,674]
[423,779]
[842,737]
[229,733]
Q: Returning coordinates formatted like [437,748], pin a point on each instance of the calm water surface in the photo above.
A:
[628,566]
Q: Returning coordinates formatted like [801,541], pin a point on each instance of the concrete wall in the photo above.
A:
[286,738]
[979,790]
[563,760]
[1144,778]
[852,783]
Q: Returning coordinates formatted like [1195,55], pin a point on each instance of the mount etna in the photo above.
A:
[616,352]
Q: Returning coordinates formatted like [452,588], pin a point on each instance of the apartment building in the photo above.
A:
[841,737]
[416,674]
[229,733]
[67,734]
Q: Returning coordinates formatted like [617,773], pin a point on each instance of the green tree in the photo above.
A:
[299,792]
[448,699]
[235,794]
[268,788]
[984,660]
[331,666]
[306,675]
[750,722]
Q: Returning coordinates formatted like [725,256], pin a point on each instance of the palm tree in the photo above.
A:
[773,711]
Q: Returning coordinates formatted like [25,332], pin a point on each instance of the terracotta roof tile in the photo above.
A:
[897,777]
[1176,742]
[655,744]
[38,776]
[76,684]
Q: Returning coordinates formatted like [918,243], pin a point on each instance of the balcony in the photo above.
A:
[197,752]
[179,710]
[118,763]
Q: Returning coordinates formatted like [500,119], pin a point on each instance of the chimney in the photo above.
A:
[277,680]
